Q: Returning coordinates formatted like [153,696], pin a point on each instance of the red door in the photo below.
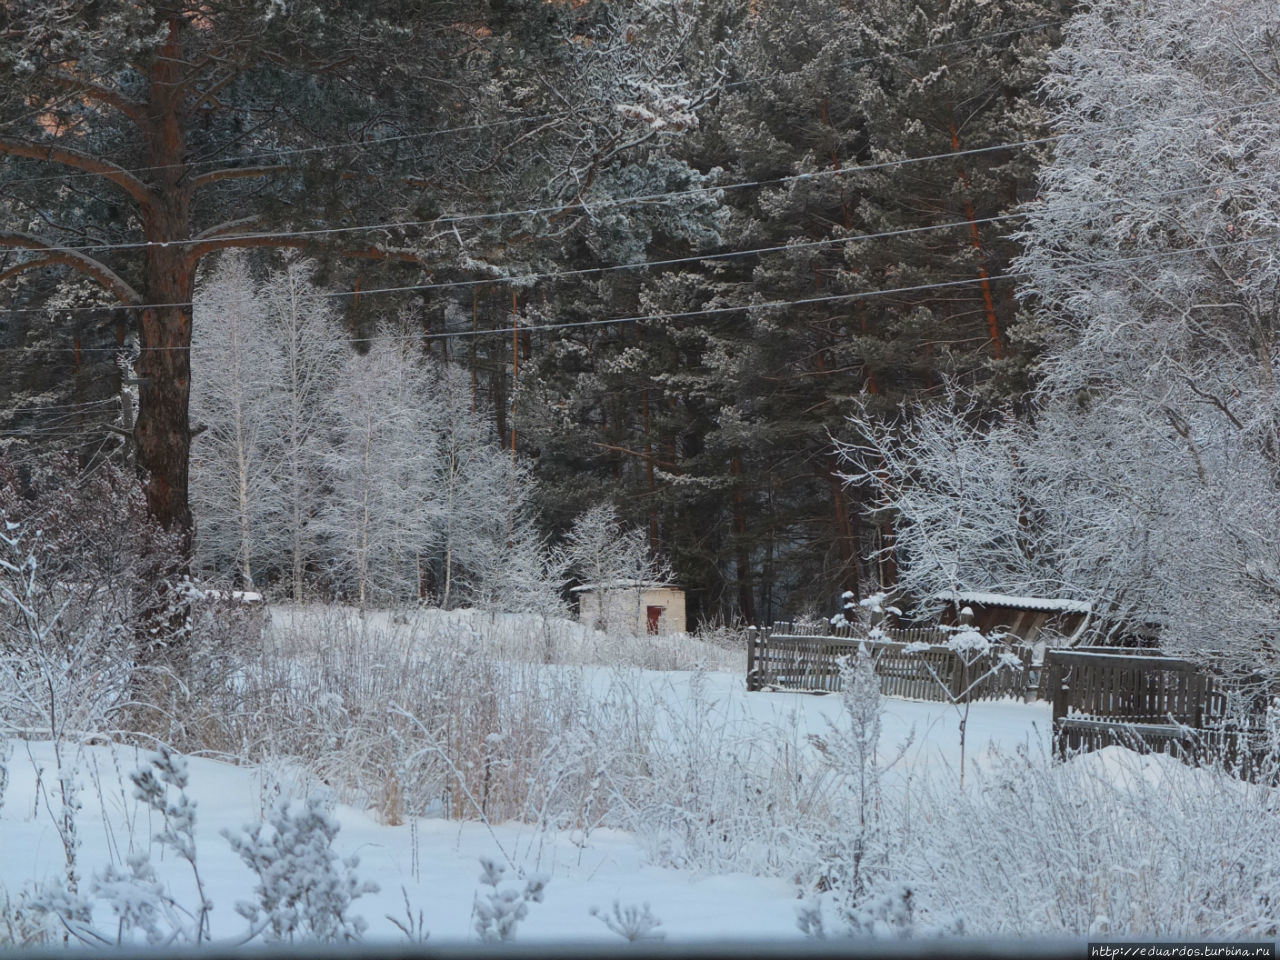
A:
[654,614]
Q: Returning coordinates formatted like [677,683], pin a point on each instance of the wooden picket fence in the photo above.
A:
[804,657]
[1139,699]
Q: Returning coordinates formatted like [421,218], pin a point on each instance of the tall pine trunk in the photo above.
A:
[163,431]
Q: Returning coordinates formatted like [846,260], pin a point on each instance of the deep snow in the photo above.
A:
[434,862]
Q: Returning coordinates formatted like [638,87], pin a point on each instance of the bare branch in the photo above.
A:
[228,227]
[84,162]
[99,93]
[87,265]
[235,173]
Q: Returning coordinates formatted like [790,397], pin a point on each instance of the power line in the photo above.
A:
[715,311]
[673,261]
[453,220]
[398,138]
[587,206]
[60,406]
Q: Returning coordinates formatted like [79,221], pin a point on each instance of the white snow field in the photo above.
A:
[435,862]
[729,813]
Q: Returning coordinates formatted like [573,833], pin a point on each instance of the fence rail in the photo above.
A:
[1148,702]
[802,657]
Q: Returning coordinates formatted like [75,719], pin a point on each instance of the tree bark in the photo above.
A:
[975,238]
[742,550]
[163,432]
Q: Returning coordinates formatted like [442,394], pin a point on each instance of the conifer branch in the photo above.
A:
[83,162]
[54,254]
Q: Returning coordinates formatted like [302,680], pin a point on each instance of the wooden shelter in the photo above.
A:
[632,606]
[1035,621]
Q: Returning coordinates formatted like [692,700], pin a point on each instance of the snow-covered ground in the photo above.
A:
[633,771]
[434,862]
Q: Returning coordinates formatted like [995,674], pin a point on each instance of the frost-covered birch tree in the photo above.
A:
[610,558]
[235,387]
[266,360]
[474,479]
[1152,255]
[379,516]
[485,548]
[310,351]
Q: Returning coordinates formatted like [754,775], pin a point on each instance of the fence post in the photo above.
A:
[1059,691]
[957,677]
[753,682]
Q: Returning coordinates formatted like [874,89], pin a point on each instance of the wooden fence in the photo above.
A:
[1141,700]
[801,657]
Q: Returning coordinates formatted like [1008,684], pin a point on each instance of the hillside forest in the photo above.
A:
[382,300]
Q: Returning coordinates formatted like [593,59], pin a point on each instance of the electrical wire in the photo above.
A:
[715,311]
[656,197]
[674,261]
[398,138]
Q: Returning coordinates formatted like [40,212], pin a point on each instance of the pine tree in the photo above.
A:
[140,139]
[717,431]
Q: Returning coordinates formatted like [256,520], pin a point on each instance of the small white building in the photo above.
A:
[634,606]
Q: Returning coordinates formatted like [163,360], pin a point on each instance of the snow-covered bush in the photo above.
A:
[631,923]
[499,911]
[304,889]
[888,914]
[22,925]
[859,853]
[84,621]
[1111,844]
[98,633]
[856,857]
[142,905]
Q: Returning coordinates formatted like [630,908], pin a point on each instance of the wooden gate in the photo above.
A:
[1142,700]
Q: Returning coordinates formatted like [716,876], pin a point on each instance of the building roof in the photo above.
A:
[1059,605]
[626,585]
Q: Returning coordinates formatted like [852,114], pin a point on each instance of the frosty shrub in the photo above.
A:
[96,635]
[21,925]
[80,608]
[141,904]
[889,914]
[499,911]
[631,923]
[857,856]
[1109,844]
[304,889]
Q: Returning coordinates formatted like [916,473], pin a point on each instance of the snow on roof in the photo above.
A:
[241,596]
[626,585]
[1023,603]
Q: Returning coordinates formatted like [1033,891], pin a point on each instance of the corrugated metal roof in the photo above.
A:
[1058,604]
